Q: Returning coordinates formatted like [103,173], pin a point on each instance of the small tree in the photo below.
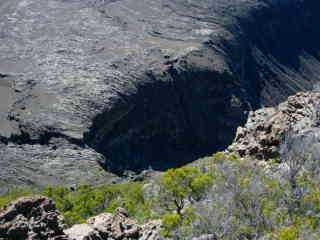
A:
[182,185]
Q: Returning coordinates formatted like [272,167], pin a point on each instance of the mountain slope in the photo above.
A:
[133,83]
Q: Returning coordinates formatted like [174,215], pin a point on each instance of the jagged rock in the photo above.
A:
[118,227]
[36,218]
[151,230]
[131,84]
[33,218]
[266,127]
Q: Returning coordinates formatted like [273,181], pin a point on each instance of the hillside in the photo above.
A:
[134,84]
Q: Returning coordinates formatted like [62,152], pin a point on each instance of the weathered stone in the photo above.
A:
[300,114]
[151,230]
[83,232]
[116,227]
[33,218]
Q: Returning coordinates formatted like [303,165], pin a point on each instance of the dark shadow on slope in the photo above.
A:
[283,44]
[186,114]
[169,122]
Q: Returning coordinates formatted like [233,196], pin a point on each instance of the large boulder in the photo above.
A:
[33,218]
[133,84]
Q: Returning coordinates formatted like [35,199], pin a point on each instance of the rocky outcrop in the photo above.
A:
[266,128]
[33,218]
[36,218]
[117,226]
[133,84]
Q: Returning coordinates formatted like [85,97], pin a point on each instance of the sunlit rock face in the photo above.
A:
[269,130]
[134,84]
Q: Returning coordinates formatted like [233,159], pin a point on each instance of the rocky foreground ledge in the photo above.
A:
[36,218]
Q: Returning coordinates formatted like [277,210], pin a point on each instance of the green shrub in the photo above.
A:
[13,195]
[287,233]
[170,222]
[84,202]
[230,197]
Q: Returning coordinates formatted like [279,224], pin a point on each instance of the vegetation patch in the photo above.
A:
[221,195]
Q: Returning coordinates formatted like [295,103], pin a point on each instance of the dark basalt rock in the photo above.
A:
[36,218]
[31,218]
[133,84]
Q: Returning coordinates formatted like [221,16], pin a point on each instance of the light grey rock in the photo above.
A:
[266,128]
[107,226]
[206,237]
[151,230]
[39,165]
[83,232]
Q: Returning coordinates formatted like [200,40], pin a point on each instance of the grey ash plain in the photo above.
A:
[94,87]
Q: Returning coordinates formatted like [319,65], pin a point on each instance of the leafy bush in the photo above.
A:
[13,195]
[222,195]
[253,201]
[287,233]
[84,202]
[171,222]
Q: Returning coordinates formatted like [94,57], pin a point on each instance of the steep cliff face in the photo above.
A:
[282,50]
[136,84]
[256,55]
[169,121]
